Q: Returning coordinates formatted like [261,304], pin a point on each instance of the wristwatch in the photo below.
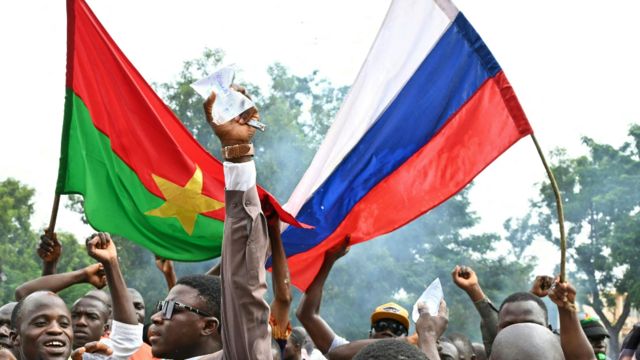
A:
[237,151]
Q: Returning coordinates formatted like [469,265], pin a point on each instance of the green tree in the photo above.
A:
[18,261]
[601,196]
[398,267]
[18,242]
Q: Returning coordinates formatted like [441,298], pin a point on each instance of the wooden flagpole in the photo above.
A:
[54,215]
[556,192]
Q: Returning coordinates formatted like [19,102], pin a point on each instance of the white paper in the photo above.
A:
[431,296]
[229,103]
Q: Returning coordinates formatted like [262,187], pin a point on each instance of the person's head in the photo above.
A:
[447,350]
[526,341]
[90,319]
[522,307]
[479,350]
[295,342]
[464,346]
[390,349]
[187,322]
[100,295]
[138,304]
[596,333]
[42,327]
[388,321]
[6,328]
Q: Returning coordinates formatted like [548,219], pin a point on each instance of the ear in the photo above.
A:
[106,329]
[15,338]
[211,326]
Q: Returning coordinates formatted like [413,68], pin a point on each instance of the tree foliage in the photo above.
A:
[601,198]
[18,259]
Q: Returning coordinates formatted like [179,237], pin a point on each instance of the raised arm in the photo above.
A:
[466,279]
[101,247]
[166,268]
[430,329]
[126,332]
[49,250]
[575,344]
[281,303]
[92,274]
[245,333]
[309,308]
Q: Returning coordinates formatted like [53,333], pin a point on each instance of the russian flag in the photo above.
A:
[429,110]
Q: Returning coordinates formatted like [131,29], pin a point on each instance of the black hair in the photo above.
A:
[209,288]
[16,313]
[526,296]
[389,349]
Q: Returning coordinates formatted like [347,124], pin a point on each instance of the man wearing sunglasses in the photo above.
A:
[244,312]
[186,324]
[388,321]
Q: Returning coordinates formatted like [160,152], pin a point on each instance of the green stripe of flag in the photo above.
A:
[114,198]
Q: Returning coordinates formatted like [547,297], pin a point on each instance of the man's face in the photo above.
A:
[521,312]
[5,325]
[89,317]
[387,328]
[599,344]
[44,328]
[177,337]
[138,304]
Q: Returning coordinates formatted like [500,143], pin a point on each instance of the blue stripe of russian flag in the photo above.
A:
[452,72]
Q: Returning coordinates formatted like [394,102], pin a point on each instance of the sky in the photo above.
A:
[573,65]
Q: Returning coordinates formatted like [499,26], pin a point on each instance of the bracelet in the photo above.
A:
[237,151]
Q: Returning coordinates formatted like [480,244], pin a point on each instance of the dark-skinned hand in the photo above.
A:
[49,248]
[541,285]
[94,347]
[101,247]
[236,131]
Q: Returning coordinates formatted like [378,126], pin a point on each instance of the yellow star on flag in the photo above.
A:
[184,203]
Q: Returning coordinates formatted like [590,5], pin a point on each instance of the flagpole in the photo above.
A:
[54,215]
[556,192]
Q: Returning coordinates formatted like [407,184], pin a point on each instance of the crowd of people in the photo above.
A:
[223,314]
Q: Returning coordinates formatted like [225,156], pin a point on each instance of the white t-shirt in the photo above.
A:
[337,341]
[124,339]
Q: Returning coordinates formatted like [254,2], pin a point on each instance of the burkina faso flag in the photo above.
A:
[142,174]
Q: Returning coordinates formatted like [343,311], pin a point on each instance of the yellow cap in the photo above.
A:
[391,311]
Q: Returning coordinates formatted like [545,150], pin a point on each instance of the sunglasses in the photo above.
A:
[391,325]
[167,308]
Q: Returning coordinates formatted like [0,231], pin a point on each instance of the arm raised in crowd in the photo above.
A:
[245,314]
[92,274]
[281,303]
[126,332]
[466,279]
[166,268]
[309,308]
[49,250]
[102,248]
[573,340]
[430,329]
